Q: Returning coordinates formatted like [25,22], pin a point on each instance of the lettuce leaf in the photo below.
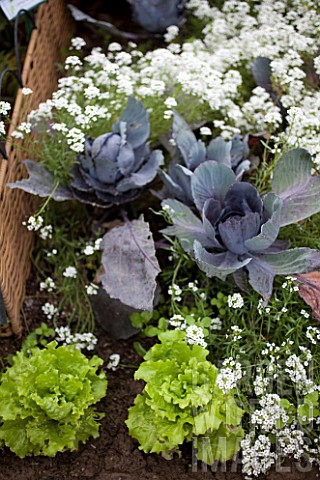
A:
[46,400]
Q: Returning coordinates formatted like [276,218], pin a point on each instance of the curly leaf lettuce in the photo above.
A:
[46,400]
[181,401]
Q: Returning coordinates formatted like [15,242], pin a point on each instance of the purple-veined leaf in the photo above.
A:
[193,152]
[130,264]
[145,175]
[294,184]
[137,120]
[270,229]
[210,180]
[41,182]
[220,151]
[263,268]
[217,264]
[187,227]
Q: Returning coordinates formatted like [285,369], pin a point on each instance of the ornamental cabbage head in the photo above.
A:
[181,401]
[233,153]
[118,164]
[114,169]
[238,230]
[46,400]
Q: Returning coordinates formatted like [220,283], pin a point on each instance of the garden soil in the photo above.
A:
[114,455]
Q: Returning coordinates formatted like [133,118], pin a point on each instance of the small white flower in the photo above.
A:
[88,250]
[92,289]
[114,47]
[73,62]
[170,102]
[70,272]
[46,232]
[195,336]
[193,286]
[97,244]
[172,32]
[34,223]
[54,251]
[216,324]
[49,310]
[205,131]
[235,301]
[167,114]
[114,361]
[17,134]
[26,91]
[48,285]
[25,127]
[5,108]
[2,128]
[77,43]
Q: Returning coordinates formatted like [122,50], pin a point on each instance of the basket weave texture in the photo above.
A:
[54,29]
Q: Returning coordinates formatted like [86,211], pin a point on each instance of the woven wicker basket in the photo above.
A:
[54,29]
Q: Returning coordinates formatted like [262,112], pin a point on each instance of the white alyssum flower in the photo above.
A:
[2,128]
[193,286]
[175,291]
[171,33]
[114,47]
[229,375]
[235,301]
[17,134]
[235,334]
[313,334]
[316,63]
[92,289]
[205,131]
[270,413]
[26,91]
[34,223]
[88,250]
[97,244]
[216,324]
[81,341]
[195,336]
[257,456]
[25,127]
[70,272]
[5,107]
[114,360]
[73,62]
[48,285]
[170,102]
[46,232]
[77,43]
[53,252]
[178,322]
[49,310]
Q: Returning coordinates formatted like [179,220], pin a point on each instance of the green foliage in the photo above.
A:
[37,338]
[46,400]
[181,401]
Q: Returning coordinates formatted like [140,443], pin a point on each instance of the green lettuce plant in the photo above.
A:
[46,400]
[181,401]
